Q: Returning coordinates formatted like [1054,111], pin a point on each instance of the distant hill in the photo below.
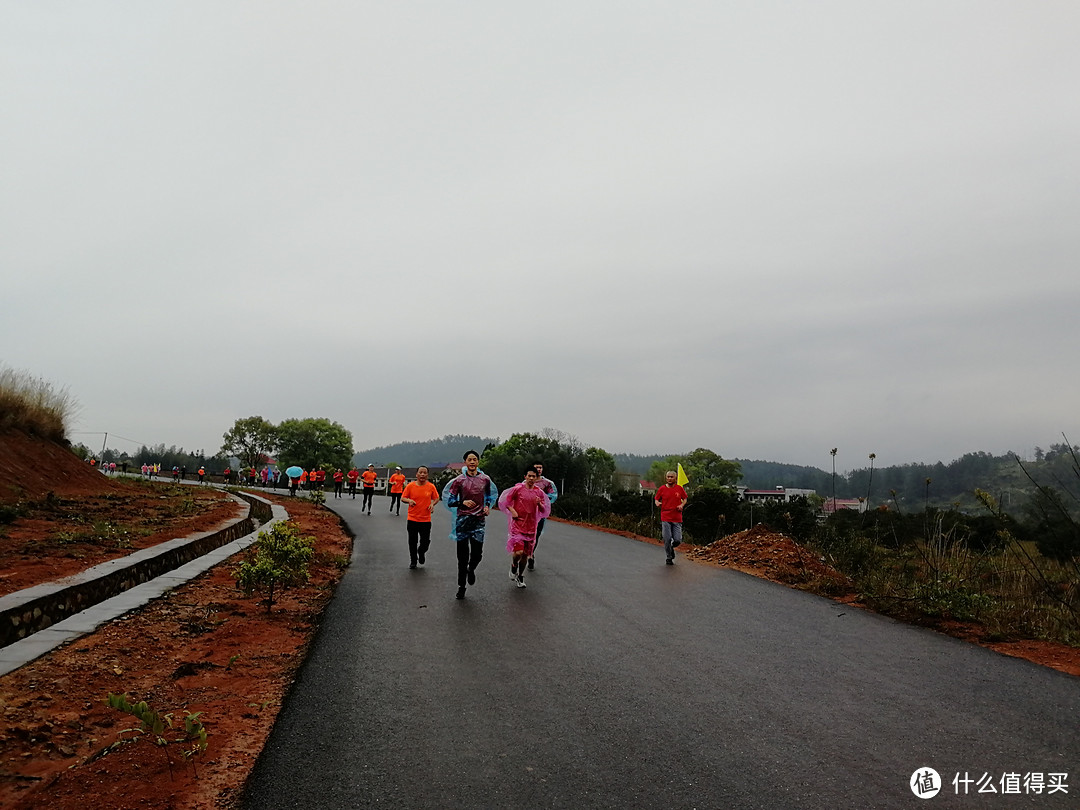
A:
[433,451]
[951,484]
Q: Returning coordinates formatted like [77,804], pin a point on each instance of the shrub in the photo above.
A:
[709,512]
[631,504]
[277,560]
[577,506]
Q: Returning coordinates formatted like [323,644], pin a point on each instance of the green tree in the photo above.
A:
[314,442]
[1056,533]
[599,469]
[703,467]
[249,440]
[506,462]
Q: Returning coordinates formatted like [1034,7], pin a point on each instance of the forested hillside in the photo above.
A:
[918,485]
[939,484]
[434,451]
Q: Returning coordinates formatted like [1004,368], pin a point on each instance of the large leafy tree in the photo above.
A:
[703,467]
[250,439]
[506,462]
[599,470]
[566,462]
[314,443]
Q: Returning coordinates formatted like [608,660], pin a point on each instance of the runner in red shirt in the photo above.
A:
[352,475]
[339,482]
[671,498]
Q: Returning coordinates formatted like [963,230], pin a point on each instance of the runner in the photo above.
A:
[339,482]
[369,477]
[547,486]
[524,504]
[469,497]
[397,484]
[420,496]
[352,475]
[202,475]
[671,498]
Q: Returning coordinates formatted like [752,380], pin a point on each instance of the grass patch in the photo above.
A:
[33,405]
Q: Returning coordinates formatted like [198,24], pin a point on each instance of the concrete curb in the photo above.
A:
[22,652]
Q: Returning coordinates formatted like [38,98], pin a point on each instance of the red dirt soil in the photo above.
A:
[205,648]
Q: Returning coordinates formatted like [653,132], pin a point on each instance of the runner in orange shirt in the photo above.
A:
[421,496]
[397,484]
[370,477]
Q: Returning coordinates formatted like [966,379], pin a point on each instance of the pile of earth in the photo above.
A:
[34,467]
[773,555]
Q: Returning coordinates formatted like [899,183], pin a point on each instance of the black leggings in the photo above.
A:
[469,553]
[395,497]
[366,503]
[419,538]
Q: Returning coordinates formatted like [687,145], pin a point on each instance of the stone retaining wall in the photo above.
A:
[25,612]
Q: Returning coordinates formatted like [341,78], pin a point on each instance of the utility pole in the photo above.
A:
[833,454]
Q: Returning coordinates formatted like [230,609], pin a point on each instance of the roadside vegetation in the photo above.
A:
[1015,573]
[34,405]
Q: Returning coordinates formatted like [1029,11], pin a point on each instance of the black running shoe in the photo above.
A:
[461,592]
[472,577]
[531,566]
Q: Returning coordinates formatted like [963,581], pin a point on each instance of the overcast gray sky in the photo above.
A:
[765,228]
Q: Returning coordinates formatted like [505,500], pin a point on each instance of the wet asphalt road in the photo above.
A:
[614,681]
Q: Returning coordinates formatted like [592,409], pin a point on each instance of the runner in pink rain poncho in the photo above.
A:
[524,504]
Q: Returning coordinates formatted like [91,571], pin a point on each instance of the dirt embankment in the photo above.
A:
[203,649]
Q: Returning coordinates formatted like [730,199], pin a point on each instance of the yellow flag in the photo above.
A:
[682,480]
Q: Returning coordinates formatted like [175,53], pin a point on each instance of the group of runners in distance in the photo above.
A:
[472,495]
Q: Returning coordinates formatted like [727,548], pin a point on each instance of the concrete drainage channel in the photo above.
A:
[35,620]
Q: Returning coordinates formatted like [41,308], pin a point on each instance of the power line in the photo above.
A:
[106,433]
